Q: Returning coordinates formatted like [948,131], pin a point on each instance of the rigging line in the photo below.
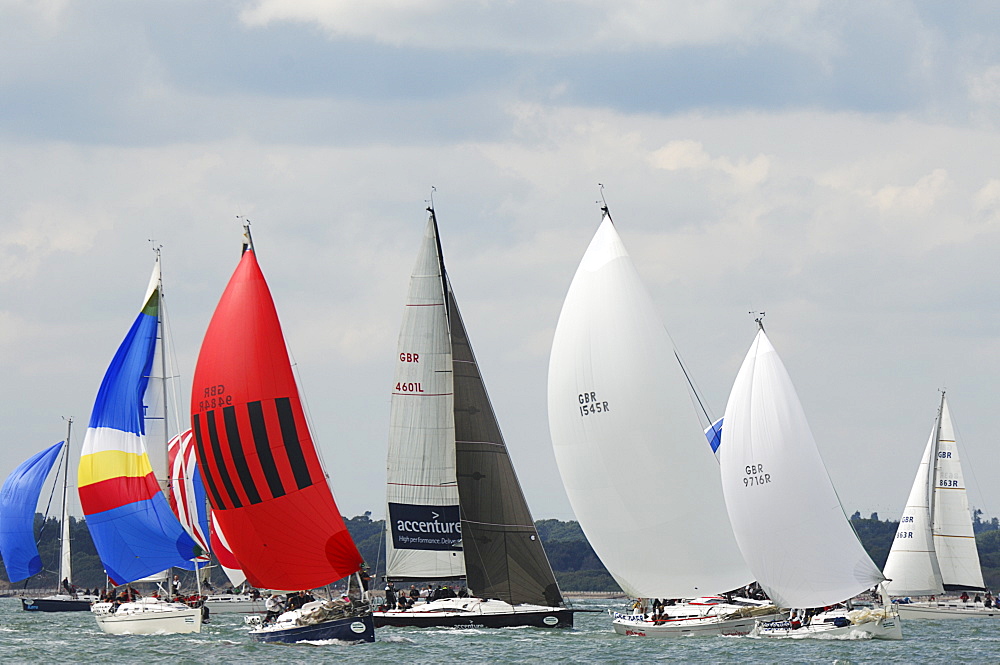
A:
[968,465]
[694,389]
[378,553]
[48,505]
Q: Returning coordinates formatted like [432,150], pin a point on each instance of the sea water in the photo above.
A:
[73,637]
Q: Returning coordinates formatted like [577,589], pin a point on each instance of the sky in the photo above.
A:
[832,164]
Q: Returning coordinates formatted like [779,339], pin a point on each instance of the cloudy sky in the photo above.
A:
[832,164]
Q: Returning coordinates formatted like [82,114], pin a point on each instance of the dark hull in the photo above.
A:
[337,629]
[47,605]
[563,618]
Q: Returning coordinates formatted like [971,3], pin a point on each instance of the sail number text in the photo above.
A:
[755,476]
[409,357]
[948,483]
[409,388]
[589,404]
[215,397]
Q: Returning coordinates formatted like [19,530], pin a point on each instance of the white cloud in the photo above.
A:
[566,26]
[691,155]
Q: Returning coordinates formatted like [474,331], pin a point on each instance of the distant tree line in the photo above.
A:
[573,560]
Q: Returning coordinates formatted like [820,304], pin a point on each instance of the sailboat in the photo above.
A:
[632,455]
[130,521]
[189,502]
[785,512]
[18,500]
[455,510]
[935,550]
[266,484]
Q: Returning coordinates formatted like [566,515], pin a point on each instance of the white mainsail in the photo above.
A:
[912,566]
[635,464]
[785,512]
[954,539]
[423,533]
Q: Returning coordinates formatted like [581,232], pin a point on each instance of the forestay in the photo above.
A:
[785,512]
[631,452]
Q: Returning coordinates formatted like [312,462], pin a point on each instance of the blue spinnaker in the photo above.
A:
[714,434]
[18,502]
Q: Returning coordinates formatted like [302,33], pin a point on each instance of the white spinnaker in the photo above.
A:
[912,567]
[954,539]
[641,478]
[784,509]
[421,456]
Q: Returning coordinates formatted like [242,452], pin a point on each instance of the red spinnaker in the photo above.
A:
[263,477]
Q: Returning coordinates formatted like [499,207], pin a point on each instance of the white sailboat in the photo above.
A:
[455,510]
[785,512]
[633,459]
[934,550]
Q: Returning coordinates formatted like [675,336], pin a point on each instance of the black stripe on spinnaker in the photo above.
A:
[293,447]
[263,445]
[239,456]
[220,462]
[218,503]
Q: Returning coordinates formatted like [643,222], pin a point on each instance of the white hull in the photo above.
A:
[865,625]
[147,616]
[956,610]
[236,604]
[704,626]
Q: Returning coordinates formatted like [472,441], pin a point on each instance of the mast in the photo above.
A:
[932,471]
[161,329]
[65,555]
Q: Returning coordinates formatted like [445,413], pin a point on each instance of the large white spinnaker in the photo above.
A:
[912,566]
[421,489]
[632,455]
[954,538]
[784,509]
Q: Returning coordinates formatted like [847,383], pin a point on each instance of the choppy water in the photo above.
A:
[73,637]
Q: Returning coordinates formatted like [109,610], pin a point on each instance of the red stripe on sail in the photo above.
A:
[116,492]
[271,498]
